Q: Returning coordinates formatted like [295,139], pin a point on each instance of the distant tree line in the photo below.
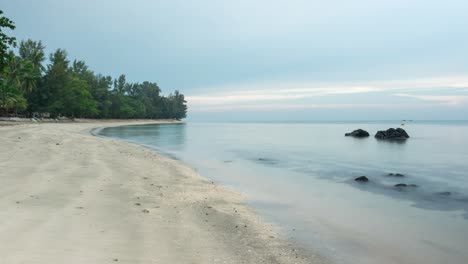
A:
[65,88]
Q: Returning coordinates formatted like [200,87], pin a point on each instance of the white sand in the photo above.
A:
[69,197]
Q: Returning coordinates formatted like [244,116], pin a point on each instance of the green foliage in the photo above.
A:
[72,89]
[33,52]
[5,40]
[11,99]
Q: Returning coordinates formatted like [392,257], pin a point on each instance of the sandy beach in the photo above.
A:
[70,197]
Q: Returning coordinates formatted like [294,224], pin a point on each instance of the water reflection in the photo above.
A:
[168,137]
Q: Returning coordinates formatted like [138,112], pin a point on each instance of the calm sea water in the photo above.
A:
[300,176]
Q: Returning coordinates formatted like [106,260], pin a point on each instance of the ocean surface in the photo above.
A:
[300,176]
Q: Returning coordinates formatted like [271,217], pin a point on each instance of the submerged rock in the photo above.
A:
[405,185]
[358,133]
[399,175]
[267,161]
[362,179]
[392,133]
[444,193]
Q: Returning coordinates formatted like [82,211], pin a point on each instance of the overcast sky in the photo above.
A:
[267,59]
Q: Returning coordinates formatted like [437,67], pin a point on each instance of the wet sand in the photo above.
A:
[70,197]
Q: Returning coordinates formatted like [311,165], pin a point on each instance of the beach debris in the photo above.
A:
[396,175]
[57,144]
[359,133]
[137,204]
[392,134]
[146,211]
[115,259]
[362,179]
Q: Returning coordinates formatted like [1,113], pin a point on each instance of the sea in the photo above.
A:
[300,176]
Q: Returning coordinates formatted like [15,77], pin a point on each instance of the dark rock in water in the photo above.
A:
[267,161]
[405,185]
[444,193]
[362,179]
[396,175]
[358,133]
[392,133]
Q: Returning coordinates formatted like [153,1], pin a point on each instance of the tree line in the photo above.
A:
[70,88]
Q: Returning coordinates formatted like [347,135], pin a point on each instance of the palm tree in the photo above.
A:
[13,72]
[29,76]
[33,51]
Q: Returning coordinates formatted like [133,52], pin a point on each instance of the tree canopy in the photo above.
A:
[70,88]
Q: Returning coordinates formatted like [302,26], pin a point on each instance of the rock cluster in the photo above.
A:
[362,179]
[358,133]
[392,133]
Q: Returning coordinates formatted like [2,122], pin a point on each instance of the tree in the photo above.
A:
[33,51]
[119,84]
[100,90]
[73,90]
[10,98]
[75,100]
[5,40]
[55,80]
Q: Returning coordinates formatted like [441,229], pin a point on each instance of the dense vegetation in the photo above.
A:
[65,88]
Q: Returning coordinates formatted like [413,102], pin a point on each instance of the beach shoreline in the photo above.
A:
[69,196]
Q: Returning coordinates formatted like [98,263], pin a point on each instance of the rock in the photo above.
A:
[359,133]
[392,133]
[362,179]
[267,161]
[405,185]
[145,211]
[399,175]
[444,193]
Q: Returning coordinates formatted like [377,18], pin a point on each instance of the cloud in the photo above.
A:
[291,95]
[450,100]
[286,106]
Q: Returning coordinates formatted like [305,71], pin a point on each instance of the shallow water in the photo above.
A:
[300,175]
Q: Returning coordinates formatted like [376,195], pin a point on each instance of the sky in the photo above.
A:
[271,59]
